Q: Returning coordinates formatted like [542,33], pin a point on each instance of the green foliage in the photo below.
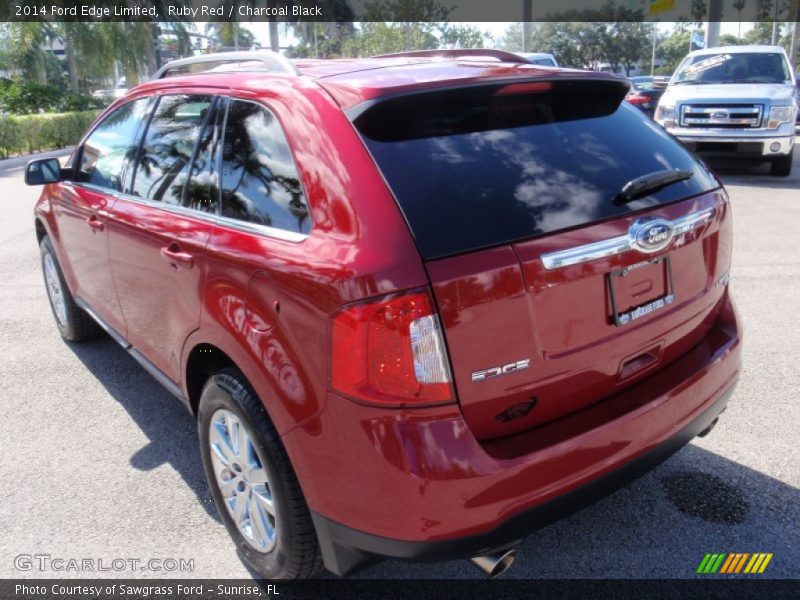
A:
[24,98]
[673,50]
[726,39]
[232,35]
[385,38]
[583,38]
[32,133]
[511,40]
[462,36]
[321,40]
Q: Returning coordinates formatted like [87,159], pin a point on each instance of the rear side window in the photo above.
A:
[168,147]
[260,182]
[111,146]
[488,165]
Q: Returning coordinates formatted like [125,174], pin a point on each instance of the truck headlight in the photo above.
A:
[779,115]
[665,116]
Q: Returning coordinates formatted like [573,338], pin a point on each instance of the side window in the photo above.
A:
[260,183]
[202,189]
[163,164]
[111,146]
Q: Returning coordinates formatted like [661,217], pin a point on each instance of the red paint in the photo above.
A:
[169,282]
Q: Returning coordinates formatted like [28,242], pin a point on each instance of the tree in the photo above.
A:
[699,10]
[726,39]
[673,50]
[27,42]
[461,36]
[231,34]
[511,40]
[624,43]
[321,40]
[384,38]
[131,43]
[761,33]
[573,44]
[410,13]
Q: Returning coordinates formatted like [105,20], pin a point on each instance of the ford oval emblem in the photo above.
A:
[651,234]
[719,115]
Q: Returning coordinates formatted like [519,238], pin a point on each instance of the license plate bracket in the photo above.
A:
[624,318]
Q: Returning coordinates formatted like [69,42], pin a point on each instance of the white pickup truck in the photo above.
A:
[734,101]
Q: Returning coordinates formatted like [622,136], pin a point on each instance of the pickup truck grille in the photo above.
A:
[722,116]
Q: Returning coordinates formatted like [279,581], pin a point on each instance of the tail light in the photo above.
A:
[390,351]
[636,98]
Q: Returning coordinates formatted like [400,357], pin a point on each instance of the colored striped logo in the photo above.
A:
[734,563]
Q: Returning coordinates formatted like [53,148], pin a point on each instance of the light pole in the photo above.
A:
[653,56]
[527,17]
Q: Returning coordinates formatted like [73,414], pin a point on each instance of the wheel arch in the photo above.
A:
[202,362]
[40,228]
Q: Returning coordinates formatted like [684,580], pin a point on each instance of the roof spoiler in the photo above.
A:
[474,53]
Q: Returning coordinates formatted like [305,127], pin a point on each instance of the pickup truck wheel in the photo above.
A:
[73,323]
[782,167]
[252,481]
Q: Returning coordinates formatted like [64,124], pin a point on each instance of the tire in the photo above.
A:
[782,167]
[227,404]
[74,324]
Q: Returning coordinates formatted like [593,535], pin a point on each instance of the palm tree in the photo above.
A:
[88,49]
[132,44]
[28,39]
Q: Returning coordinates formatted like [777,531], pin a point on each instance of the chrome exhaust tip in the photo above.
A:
[495,563]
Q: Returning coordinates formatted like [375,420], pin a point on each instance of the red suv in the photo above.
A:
[420,304]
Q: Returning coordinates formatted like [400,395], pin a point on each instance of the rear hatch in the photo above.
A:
[560,274]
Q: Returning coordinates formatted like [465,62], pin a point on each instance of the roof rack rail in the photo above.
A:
[273,61]
[501,55]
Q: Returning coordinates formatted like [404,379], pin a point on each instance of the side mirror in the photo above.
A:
[43,171]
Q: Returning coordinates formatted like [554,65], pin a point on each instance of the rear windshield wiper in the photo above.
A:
[641,186]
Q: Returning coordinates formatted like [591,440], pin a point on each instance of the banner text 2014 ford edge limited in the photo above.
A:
[420,304]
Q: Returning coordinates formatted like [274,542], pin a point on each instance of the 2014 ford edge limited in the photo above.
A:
[420,304]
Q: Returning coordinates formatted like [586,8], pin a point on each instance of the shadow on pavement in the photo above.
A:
[659,526]
[172,431]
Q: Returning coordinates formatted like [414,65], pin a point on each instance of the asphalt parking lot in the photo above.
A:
[98,461]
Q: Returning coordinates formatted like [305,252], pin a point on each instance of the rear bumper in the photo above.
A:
[418,485]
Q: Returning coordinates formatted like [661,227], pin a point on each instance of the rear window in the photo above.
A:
[488,165]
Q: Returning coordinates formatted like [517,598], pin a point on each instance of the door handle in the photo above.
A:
[95,223]
[176,257]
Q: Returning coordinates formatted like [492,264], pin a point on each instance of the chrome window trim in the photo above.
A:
[265,230]
[618,244]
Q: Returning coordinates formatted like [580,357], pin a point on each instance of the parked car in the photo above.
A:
[109,95]
[645,92]
[734,101]
[539,58]
[419,305]
[797,99]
